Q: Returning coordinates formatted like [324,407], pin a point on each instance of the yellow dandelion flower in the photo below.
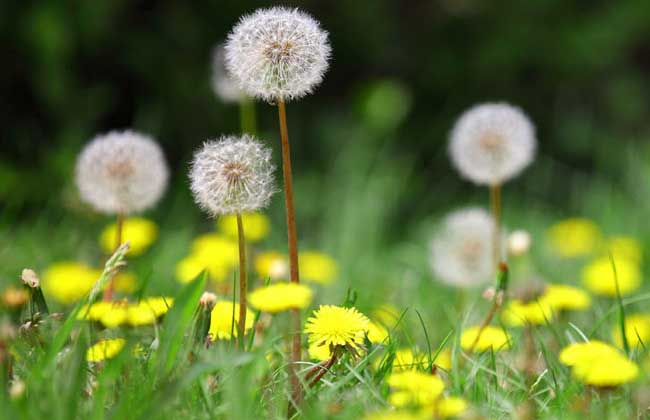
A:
[585,352]
[141,314]
[115,316]
[574,237]
[212,246]
[332,326]
[280,297]
[158,304]
[449,407]
[395,415]
[318,352]
[491,337]
[14,297]
[443,360]
[68,281]
[105,349]
[191,266]
[408,359]
[256,226]
[273,265]
[377,334]
[317,267]
[562,297]
[598,276]
[412,387]
[140,232]
[637,331]
[222,323]
[625,247]
[518,313]
[607,371]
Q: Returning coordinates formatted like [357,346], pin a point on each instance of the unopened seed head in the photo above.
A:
[121,172]
[232,175]
[223,85]
[278,53]
[461,251]
[492,143]
[519,242]
[30,278]
[207,299]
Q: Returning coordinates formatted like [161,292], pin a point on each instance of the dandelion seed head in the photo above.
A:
[277,53]
[492,143]
[232,175]
[121,172]
[223,84]
[461,251]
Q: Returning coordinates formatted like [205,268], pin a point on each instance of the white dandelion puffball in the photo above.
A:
[461,251]
[277,53]
[492,143]
[223,85]
[232,175]
[121,172]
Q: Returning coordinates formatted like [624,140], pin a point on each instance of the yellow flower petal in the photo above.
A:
[491,337]
[68,281]
[574,237]
[598,276]
[273,265]
[625,247]
[222,323]
[517,313]
[637,327]
[562,297]
[140,233]
[317,267]
[280,297]
[337,326]
[105,349]
[256,226]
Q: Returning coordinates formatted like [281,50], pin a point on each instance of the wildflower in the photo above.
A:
[448,407]
[125,282]
[562,297]
[272,265]
[408,359]
[105,349]
[117,313]
[443,360]
[191,266]
[223,85]
[332,326]
[30,278]
[461,252]
[387,314]
[280,297]
[414,388]
[491,337]
[574,237]
[598,276]
[222,325]
[625,247]
[138,231]
[277,53]
[491,143]
[377,334]
[599,364]
[256,226]
[519,242]
[637,331]
[69,281]
[317,267]
[148,310]
[121,172]
[212,252]
[14,297]
[535,312]
[318,352]
[232,175]
[394,415]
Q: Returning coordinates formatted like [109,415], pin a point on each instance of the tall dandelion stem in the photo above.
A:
[247,115]
[495,205]
[242,279]
[119,226]
[292,237]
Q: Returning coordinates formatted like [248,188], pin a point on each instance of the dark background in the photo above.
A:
[401,73]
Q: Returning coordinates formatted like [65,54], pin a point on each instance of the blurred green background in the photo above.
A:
[370,145]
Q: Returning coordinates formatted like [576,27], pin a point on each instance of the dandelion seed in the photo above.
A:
[121,172]
[223,85]
[277,54]
[492,143]
[232,175]
[461,252]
